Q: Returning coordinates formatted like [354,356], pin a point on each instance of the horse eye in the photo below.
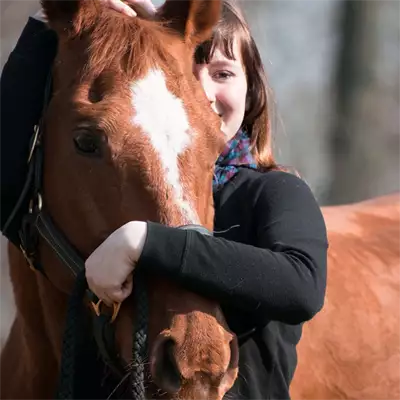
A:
[89,143]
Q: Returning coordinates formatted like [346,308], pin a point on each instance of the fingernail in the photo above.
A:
[131,13]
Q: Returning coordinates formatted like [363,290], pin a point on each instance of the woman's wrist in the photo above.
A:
[136,234]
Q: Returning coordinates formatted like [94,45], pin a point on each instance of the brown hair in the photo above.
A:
[257,120]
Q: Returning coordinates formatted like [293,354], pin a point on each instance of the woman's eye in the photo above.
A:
[89,143]
[223,75]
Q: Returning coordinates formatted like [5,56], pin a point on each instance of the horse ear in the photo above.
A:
[65,16]
[194,19]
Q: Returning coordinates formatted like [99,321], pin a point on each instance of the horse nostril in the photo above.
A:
[165,371]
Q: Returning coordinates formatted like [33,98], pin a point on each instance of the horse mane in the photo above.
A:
[133,43]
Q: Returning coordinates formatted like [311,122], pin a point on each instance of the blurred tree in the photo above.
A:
[365,133]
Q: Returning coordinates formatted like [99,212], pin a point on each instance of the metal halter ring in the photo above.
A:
[39,203]
[97,309]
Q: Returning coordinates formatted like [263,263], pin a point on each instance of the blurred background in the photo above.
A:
[334,71]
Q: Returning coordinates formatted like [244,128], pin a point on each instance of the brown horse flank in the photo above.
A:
[351,349]
[128,135]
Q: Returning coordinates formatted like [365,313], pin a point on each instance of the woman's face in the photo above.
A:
[225,84]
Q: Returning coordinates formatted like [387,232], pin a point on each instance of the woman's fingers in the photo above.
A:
[127,286]
[114,295]
[120,6]
[105,298]
[145,8]
[120,294]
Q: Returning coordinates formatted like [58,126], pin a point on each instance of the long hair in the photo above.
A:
[257,119]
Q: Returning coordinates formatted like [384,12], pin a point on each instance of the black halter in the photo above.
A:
[38,223]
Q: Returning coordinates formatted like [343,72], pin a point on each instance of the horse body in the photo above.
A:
[351,349]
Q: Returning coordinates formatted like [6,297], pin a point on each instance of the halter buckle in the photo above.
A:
[97,309]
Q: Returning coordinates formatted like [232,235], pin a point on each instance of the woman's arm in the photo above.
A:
[23,82]
[282,277]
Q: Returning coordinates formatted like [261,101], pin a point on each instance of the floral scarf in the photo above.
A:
[235,155]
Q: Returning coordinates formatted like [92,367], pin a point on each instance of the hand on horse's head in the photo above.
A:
[131,8]
[109,268]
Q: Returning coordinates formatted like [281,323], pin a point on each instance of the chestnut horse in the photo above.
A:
[351,349]
[128,134]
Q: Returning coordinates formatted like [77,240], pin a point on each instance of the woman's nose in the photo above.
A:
[210,94]
[208,88]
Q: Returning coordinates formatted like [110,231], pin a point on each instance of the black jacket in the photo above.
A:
[267,266]
[23,81]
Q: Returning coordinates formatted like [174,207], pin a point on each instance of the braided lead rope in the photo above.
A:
[71,340]
[139,350]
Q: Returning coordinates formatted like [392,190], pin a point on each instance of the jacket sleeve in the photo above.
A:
[282,277]
[23,82]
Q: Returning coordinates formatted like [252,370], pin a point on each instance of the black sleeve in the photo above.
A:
[22,89]
[282,277]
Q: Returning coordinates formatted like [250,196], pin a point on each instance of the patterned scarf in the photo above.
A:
[236,154]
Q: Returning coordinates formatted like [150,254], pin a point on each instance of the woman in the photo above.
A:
[266,264]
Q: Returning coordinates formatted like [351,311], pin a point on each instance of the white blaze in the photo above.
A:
[162,117]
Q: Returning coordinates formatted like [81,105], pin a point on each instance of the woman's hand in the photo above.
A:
[109,268]
[144,8]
